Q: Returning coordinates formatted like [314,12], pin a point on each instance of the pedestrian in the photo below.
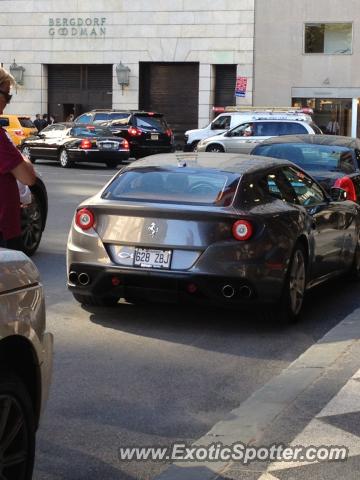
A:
[38,122]
[45,120]
[13,166]
[333,128]
[51,120]
[70,118]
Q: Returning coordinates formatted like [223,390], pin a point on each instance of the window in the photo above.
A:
[4,122]
[332,38]
[167,186]
[311,156]
[222,123]
[151,123]
[307,191]
[26,122]
[84,118]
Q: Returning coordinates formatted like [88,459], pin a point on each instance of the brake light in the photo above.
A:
[134,132]
[169,132]
[19,133]
[85,144]
[242,230]
[84,219]
[125,144]
[345,183]
[151,114]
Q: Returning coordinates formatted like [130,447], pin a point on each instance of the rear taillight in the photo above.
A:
[134,132]
[19,133]
[84,219]
[85,144]
[218,109]
[125,144]
[345,183]
[242,230]
[169,132]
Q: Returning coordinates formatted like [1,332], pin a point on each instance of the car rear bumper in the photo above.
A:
[144,150]
[174,286]
[98,155]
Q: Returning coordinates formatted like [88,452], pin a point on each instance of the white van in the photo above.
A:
[233,116]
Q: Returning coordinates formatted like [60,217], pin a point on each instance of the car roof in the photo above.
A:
[229,162]
[332,140]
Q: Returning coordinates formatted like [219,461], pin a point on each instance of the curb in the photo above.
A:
[247,422]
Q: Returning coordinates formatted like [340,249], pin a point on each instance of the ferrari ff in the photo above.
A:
[221,229]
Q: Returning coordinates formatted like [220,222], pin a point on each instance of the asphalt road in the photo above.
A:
[135,375]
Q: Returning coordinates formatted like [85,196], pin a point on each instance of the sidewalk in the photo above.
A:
[314,402]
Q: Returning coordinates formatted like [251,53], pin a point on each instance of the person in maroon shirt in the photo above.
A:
[13,166]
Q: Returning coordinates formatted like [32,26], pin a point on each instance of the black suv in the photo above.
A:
[146,132]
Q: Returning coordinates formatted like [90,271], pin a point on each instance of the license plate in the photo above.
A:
[154,136]
[151,258]
[107,145]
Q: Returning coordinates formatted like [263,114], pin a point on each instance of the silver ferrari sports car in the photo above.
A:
[224,229]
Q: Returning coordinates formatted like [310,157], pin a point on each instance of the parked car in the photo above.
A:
[222,229]
[231,117]
[19,127]
[33,217]
[69,144]
[245,136]
[26,363]
[146,132]
[333,160]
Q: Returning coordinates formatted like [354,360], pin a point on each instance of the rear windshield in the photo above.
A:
[4,122]
[108,116]
[151,123]
[184,186]
[26,122]
[311,156]
[90,132]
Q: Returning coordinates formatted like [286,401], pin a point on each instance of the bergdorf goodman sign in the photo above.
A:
[80,27]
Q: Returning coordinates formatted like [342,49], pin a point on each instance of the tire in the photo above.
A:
[17,417]
[64,159]
[93,301]
[25,150]
[194,145]
[215,147]
[112,163]
[289,307]
[32,222]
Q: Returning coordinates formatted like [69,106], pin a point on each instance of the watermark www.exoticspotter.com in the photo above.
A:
[237,452]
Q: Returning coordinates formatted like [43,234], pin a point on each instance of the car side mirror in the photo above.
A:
[41,135]
[338,194]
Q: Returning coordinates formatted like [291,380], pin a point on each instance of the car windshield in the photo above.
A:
[108,116]
[183,186]
[150,123]
[26,122]
[90,131]
[311,157]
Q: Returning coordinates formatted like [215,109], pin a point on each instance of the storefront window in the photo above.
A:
[331,38]
[328,112]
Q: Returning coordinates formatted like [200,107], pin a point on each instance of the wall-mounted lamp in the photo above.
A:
[17,71]
[122,73]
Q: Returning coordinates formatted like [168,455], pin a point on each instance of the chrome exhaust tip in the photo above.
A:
[84,279]
[228,291]
[73,277]
[245,291]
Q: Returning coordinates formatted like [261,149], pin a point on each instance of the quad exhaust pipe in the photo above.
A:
[79,279]
[228,291]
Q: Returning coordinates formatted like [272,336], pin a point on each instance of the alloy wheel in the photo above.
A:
[64,159]
[31,226]
[297,282]
[26,152]
[14,439]
[215,148]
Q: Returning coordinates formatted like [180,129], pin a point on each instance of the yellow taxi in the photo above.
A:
[18,127]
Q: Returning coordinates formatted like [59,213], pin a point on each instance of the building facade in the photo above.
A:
[308,54]
[182,56]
